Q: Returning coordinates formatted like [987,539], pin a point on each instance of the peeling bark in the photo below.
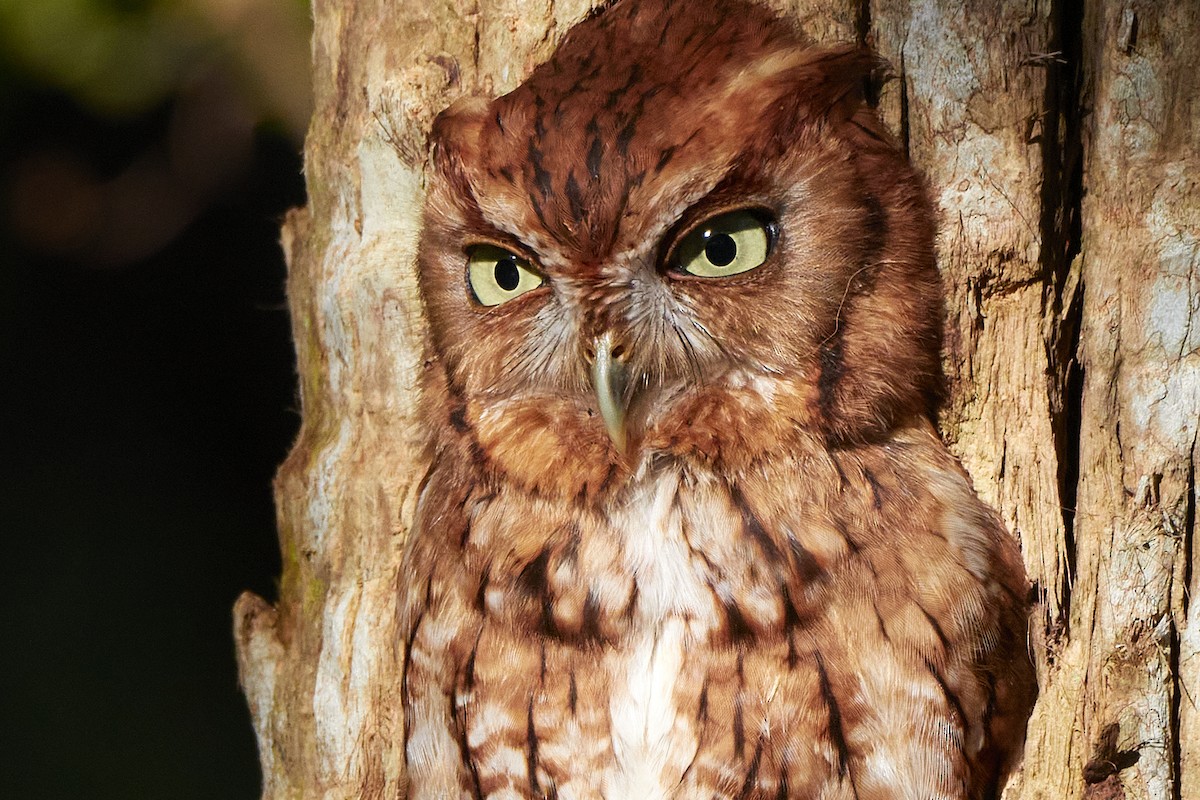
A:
[1061,141]
[1140,354]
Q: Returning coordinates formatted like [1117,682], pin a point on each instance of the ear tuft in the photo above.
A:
[456,131]
[832,82]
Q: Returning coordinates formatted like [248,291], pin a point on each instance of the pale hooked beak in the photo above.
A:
[609,376]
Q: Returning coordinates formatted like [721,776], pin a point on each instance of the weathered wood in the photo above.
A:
[989,107]
[321,669]
[1140,352]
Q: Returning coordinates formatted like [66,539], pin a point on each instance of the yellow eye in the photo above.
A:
[497,276]
[726,245]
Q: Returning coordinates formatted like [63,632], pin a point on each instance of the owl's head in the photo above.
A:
[685,234]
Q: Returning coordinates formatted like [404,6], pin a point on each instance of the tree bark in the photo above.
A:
[1061,142]
[1130,632]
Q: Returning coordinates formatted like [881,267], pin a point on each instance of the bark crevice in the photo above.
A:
[1061,199]
[1057,401]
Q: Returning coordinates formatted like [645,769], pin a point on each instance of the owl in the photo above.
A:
[688,529]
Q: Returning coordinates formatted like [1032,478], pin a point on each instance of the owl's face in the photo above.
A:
[680,235]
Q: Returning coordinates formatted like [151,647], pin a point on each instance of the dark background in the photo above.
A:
[147,391]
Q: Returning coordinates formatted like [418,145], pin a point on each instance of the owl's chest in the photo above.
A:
[664,535]
[690,639]
[654,685]
[669,550]
[612,651]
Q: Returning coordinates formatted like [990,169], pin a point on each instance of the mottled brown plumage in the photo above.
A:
[762,575]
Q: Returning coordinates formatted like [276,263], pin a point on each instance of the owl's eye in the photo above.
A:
[497,276]
[726,245]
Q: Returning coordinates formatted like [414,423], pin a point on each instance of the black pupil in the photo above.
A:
[720,250]
[507,274]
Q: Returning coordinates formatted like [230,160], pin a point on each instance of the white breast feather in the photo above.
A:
[675,611]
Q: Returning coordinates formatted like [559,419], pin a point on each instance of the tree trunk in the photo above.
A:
[1061,143]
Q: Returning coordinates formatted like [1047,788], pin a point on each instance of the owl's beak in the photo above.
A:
[609,375]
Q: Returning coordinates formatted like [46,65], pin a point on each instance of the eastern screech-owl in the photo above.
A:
[689,531]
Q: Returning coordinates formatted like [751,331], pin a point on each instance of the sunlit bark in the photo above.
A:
[1062,150]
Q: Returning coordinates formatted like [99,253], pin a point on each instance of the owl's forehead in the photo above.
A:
[642,109]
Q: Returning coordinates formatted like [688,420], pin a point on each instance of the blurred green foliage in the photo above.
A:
[121,57]
[117,56]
